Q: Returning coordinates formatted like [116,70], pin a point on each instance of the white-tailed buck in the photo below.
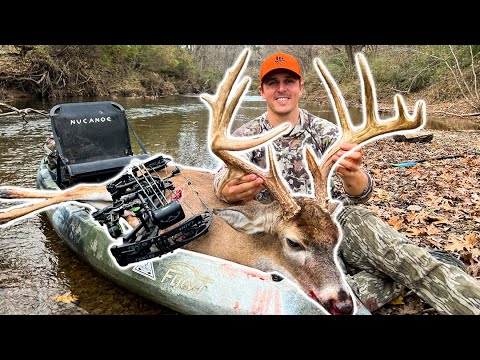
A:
[296,235]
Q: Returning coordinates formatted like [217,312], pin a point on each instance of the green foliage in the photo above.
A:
[443,71]
[161,59]
[124,55]
[406,69]
[39,51]
[403,71]
[339,67]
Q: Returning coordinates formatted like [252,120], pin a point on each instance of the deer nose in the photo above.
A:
[342,304]
[343,308]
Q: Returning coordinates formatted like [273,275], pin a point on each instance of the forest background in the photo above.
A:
[445,76]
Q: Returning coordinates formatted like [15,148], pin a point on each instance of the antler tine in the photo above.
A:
[217,103]
[320,182]
[369,98]
[401,121]
[222,112]
[274,183]
[340,109]
[373,126]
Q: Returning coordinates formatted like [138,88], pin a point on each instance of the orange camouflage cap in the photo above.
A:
[280,60]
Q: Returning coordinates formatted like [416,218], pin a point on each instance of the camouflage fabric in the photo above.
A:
[51,152]
[387,263]
[310,130]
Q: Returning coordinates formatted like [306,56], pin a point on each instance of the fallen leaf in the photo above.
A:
[407,311]
[414,208]
[66,298]
[433,230]
[415,232]
[446,177]
[397,301]
[455,244]
[434,243]
[396,222]
[471,239]
[441,221]
[417,217]
[474,270]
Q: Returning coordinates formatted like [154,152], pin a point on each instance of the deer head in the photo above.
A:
[304,230]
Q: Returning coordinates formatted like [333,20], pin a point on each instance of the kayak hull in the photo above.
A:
[185,281]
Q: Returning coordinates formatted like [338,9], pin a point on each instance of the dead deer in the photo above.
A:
[297,234]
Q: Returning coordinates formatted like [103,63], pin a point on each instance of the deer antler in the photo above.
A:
[372,128]
[223,106]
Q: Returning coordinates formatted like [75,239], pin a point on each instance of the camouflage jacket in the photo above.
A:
[311,130]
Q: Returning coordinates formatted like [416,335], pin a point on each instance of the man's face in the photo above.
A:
[281,90]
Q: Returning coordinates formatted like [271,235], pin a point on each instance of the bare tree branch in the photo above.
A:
[474,74]
[418,74]
[454,114]
[472,100]
[20,112]
[459,68]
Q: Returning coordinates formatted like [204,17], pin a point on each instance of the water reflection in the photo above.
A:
[452,124]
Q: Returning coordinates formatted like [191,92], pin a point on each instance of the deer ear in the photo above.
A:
[333,206]
[251,219]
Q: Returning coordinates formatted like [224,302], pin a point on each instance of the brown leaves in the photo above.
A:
[436,204]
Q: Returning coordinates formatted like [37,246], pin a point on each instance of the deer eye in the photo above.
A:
[292,243]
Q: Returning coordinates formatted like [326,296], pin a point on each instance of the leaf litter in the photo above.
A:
[435,203]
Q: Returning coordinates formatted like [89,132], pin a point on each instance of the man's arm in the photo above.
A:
[244,189]
[357,183]
[237,190]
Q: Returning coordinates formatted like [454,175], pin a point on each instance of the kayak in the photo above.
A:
[184,281]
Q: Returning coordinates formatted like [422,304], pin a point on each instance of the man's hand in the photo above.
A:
[243,189]
[354,180]
[351,164]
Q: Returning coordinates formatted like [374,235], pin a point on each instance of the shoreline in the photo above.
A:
[452,109]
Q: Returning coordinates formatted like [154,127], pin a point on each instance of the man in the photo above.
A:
[383,261]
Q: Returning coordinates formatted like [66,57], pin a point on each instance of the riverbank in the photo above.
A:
[435,203]
[62,72]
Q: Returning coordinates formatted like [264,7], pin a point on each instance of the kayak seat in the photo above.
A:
[92,141]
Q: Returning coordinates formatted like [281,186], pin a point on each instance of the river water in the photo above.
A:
[36,266]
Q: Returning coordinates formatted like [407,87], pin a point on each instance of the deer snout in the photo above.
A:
[337,303]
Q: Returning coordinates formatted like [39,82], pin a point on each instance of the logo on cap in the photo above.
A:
[279,60]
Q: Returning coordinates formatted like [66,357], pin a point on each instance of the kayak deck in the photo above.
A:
[185,281]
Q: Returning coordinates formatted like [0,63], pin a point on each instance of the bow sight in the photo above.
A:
[141,192]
